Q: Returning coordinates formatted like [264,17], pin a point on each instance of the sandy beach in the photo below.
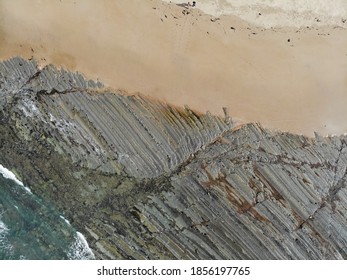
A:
[292,79]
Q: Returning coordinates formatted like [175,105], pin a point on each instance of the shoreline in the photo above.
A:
[195,60]
[277,14]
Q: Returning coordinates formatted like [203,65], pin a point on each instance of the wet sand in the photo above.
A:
[285,78]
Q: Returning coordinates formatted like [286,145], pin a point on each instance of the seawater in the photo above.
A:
[30,229]
[279,13]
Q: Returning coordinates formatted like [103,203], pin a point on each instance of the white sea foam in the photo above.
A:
[27,189]
[278,13]
[65,220]
[5,245]
[80,250]
[3,227]
[9,175]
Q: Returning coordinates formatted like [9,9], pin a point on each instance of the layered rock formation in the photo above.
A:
[145,180]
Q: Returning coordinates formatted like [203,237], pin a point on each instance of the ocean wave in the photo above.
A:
[80,250]
[9,175]
[5,245]
[53,238]
[65,220]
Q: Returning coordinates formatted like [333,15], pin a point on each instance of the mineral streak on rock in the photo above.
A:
[142,179]
[256,194]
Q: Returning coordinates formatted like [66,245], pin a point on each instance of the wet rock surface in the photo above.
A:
[145,180]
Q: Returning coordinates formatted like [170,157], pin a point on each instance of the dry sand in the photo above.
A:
[151,47]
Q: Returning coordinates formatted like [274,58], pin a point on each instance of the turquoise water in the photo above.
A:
[29,229]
